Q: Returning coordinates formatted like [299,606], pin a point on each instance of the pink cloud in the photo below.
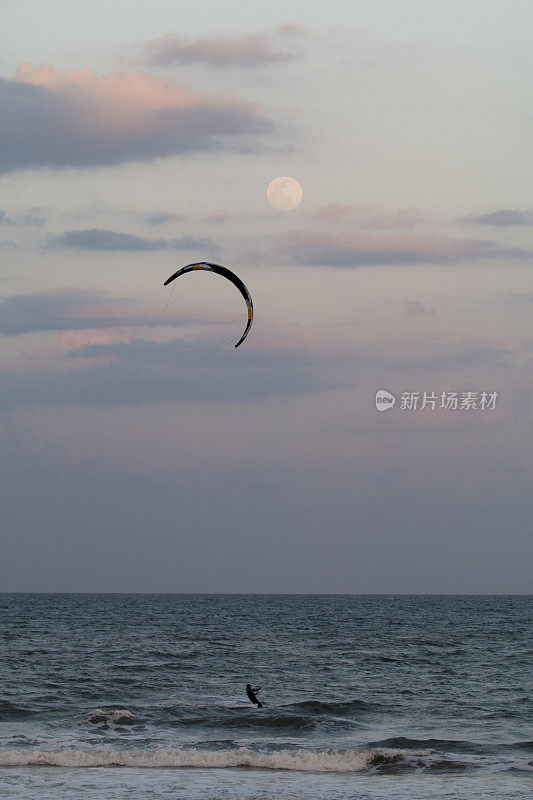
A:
[81,310]
[405,218]
[337,212]
[119,100]
[218,217]
[364,217]
[248,51]
[79,118]
[358,249]
[295,29]
[49,352]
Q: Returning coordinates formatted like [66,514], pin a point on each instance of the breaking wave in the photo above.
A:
[299,760]
[370,760]
[110,718]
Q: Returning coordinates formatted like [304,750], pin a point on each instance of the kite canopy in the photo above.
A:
[226,273]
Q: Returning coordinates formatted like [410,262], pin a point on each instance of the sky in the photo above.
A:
[140,451]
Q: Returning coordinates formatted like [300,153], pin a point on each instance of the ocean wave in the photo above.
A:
[370,760]
[9,711]
[404,742]
[339,708]
[523,746]
[308,714]
[299,760]
[252,720]
[182,715]
[110,718]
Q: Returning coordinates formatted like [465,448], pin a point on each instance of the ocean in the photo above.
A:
[371,697]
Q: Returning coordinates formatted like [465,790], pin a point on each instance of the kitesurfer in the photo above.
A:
[252,695]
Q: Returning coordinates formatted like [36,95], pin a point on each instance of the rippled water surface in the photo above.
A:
[116,696]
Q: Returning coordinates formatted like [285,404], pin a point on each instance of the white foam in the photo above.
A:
[114,716]
[301,760]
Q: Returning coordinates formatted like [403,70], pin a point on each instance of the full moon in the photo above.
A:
[284,193]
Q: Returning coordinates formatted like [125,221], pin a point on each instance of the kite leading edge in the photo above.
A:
[226,273]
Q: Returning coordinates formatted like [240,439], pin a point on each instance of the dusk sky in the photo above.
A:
[142,452]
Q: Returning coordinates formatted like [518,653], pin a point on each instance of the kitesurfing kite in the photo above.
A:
[226,273]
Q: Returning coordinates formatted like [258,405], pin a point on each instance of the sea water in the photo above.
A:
[143,696]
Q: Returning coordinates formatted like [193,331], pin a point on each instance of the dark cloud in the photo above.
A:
[98,239]
[209,524]
[143,371]
[32,217]
[520,299]
[415,308]
[74,311]
[501,218]
[469,356]
[160,219]
[5,220]
[354,250]
[218,217]
[75,121]
[248,51]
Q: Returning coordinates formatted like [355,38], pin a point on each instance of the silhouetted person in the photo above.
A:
[252,694]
